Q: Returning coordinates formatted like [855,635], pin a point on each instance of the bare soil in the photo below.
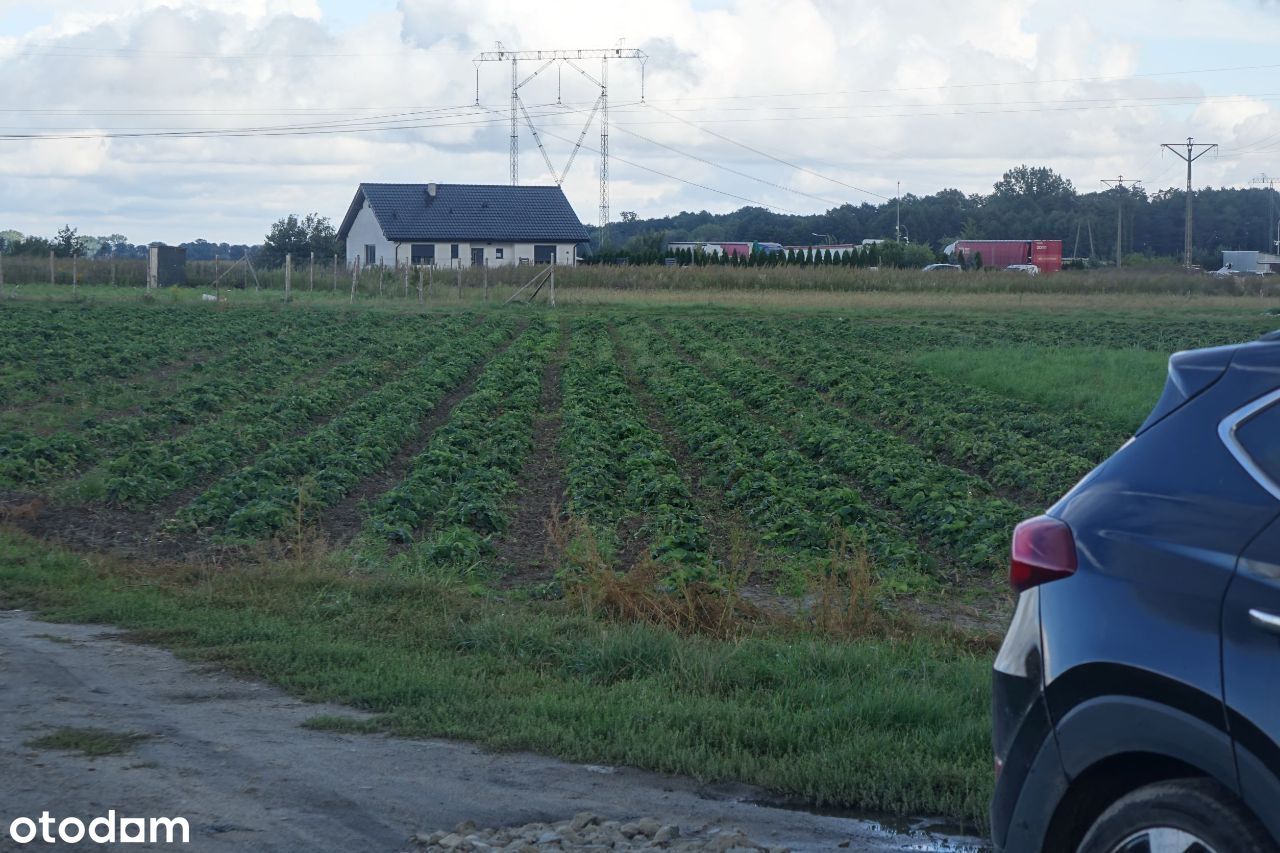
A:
[526,548]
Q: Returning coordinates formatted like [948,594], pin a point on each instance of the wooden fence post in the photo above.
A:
[288,274]
[355,270]
[419,285]
[459,278]
[486,281]
[553,286]
[430,278]
[406,279]
[382,271]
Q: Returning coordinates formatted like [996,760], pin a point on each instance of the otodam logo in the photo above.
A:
[108,829]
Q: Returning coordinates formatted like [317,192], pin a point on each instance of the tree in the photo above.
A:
[299,237]
[68,243]
[628,216]
[977,260]
[1038,183]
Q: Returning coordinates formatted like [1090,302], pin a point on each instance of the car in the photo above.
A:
[943,268]
[1026,269]
[1136,695]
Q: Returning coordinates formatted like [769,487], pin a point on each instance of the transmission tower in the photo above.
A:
[1272,232]
[1118,183]
[601,107]
[1195,150]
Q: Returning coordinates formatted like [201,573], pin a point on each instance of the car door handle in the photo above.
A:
[1264,620]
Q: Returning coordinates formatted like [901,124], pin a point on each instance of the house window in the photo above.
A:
[497,253]
[370,254]
[422,253]
[544,254]
[453,251]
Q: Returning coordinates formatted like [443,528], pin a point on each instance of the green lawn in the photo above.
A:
[1116,386]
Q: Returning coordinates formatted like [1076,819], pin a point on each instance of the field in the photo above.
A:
[749,543]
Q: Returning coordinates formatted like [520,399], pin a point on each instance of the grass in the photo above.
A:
[94,743]
[342,725]
[1117,386]
[894,725]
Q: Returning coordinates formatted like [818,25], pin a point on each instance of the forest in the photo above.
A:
[1026,203]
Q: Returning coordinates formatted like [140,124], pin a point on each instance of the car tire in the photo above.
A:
[1178,816]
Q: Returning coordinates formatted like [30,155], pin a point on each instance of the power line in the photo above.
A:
[729,169]
[757,151]
[321,128]
[680,179]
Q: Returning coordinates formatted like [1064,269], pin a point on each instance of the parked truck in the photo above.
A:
[998,254]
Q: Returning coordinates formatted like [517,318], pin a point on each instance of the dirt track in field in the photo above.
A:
[232,758]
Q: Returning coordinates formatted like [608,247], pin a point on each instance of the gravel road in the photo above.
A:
[231,756]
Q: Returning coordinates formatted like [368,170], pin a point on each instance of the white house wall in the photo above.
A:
[366,231]
[512,253]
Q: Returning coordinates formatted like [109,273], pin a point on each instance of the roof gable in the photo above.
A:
[492,212]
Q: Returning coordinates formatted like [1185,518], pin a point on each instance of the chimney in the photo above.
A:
[431,192]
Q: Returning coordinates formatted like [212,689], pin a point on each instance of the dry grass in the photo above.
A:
[845,595]
[841,603]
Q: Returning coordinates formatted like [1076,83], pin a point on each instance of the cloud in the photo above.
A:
[866,93]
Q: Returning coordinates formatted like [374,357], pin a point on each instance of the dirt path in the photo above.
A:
[232,758]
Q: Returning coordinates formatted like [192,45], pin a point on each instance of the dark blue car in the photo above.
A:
[1137,692]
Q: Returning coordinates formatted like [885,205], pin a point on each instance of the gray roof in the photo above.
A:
[467,212]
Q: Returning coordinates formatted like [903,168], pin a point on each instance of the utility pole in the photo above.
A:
[1195,150]
[897,221]
[1271,205]
[1118,183]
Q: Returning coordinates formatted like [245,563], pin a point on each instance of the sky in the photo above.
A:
[272,107]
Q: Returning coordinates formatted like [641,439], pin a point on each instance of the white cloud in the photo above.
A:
[865,92]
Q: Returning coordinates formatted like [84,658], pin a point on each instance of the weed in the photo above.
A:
[89,741]
[342,725]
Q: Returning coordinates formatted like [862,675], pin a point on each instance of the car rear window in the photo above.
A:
[1260,438]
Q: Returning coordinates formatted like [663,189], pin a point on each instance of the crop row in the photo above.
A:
[456,487]
[261,366]
[952,509]
[1010,444]
[787,498]
[58,345]
[318,468]
[617,468]
[148,473]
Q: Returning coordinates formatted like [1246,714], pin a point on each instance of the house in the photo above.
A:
[460,225]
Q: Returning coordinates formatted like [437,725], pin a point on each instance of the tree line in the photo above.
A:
[292,234]
[1026,203]
[887,254]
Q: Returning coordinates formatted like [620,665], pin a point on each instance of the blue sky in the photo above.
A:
[844,98]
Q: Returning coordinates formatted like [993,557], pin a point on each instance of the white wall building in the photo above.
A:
[460,225]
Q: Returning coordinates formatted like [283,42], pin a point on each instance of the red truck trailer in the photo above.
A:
[1047,254]
[998,254]
[739,249]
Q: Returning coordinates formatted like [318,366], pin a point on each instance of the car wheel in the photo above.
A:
[1177,816]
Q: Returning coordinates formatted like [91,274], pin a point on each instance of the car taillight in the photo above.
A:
[1043,550]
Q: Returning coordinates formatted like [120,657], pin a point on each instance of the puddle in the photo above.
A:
[912,833]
